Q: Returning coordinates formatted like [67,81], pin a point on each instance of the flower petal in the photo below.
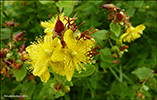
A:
[69,38]
[45,76]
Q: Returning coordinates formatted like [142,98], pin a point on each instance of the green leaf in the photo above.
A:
[138,3]
[145,87]
[115,28]
[142,73]
[68,83]
[65,4]
[68,11]
[89,70]
[49,84]
[5,33]
[101,34]
[105,55]
[46,1]
[131,11]
[20,74]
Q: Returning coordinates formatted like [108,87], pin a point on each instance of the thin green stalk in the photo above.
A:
[124,76]
[110,41]
[120,73]
[113,72]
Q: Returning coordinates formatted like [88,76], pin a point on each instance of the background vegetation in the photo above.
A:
[108,81]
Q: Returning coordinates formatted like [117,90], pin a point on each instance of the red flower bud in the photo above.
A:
[19,35]
[57,87]
[119,16]
[2,54]
[122,48]
[10,23]
[59,27]
[22,48]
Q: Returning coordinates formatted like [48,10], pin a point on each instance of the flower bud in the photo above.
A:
[119,16]
[119,42]
[22,48]
[57,87]
[122,48]
[147,7]
[66,89]
[9,55]
[10,23]
[2,54]
[59,27]
[18,37]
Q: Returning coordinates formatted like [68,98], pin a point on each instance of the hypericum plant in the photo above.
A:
[120,21]
[63,49]
[14,56]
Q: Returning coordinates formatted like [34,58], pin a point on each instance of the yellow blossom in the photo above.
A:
[40,53]
[50,24]
[72,55]
[133,33]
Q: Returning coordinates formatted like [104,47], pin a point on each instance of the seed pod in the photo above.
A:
[59,27]
[2,54]
[57,87]
[122,48]
[9,24]
[119,16]
[22,48]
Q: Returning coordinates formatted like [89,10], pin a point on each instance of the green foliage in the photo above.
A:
[102,79]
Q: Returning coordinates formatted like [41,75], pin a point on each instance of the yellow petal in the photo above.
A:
[45,76]
[60,55]
[69,38]
[58,67]
[140,27]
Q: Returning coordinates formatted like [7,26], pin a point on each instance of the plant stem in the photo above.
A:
[110,41]
[120,73]
[124,76]
[113,72]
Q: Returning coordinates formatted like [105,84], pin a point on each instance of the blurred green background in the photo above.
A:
[104,83]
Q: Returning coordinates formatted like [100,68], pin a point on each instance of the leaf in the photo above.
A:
[115,28]
[5,33]
[68,11]
[138,3]
[101,34]
[46,1]
[131,11]
[89,70]
[142,73]
[105,55]
[65,4]
[49,83]
[145,87]
[20,74]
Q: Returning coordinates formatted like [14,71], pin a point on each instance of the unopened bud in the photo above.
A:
[22,48]
[66,88]
[9,24]
[59,27]
[119,16]
[57,87]
[122,48]
[2,54]
[147,7]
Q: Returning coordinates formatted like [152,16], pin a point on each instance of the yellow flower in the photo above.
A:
[72,55]
[40,53]
[133,33]
[50,24]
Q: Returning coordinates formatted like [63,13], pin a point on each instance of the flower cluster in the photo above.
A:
[120,16]
[12,57]
[62,48]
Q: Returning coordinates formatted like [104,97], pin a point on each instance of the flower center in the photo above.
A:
[47,52]
[74,54]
